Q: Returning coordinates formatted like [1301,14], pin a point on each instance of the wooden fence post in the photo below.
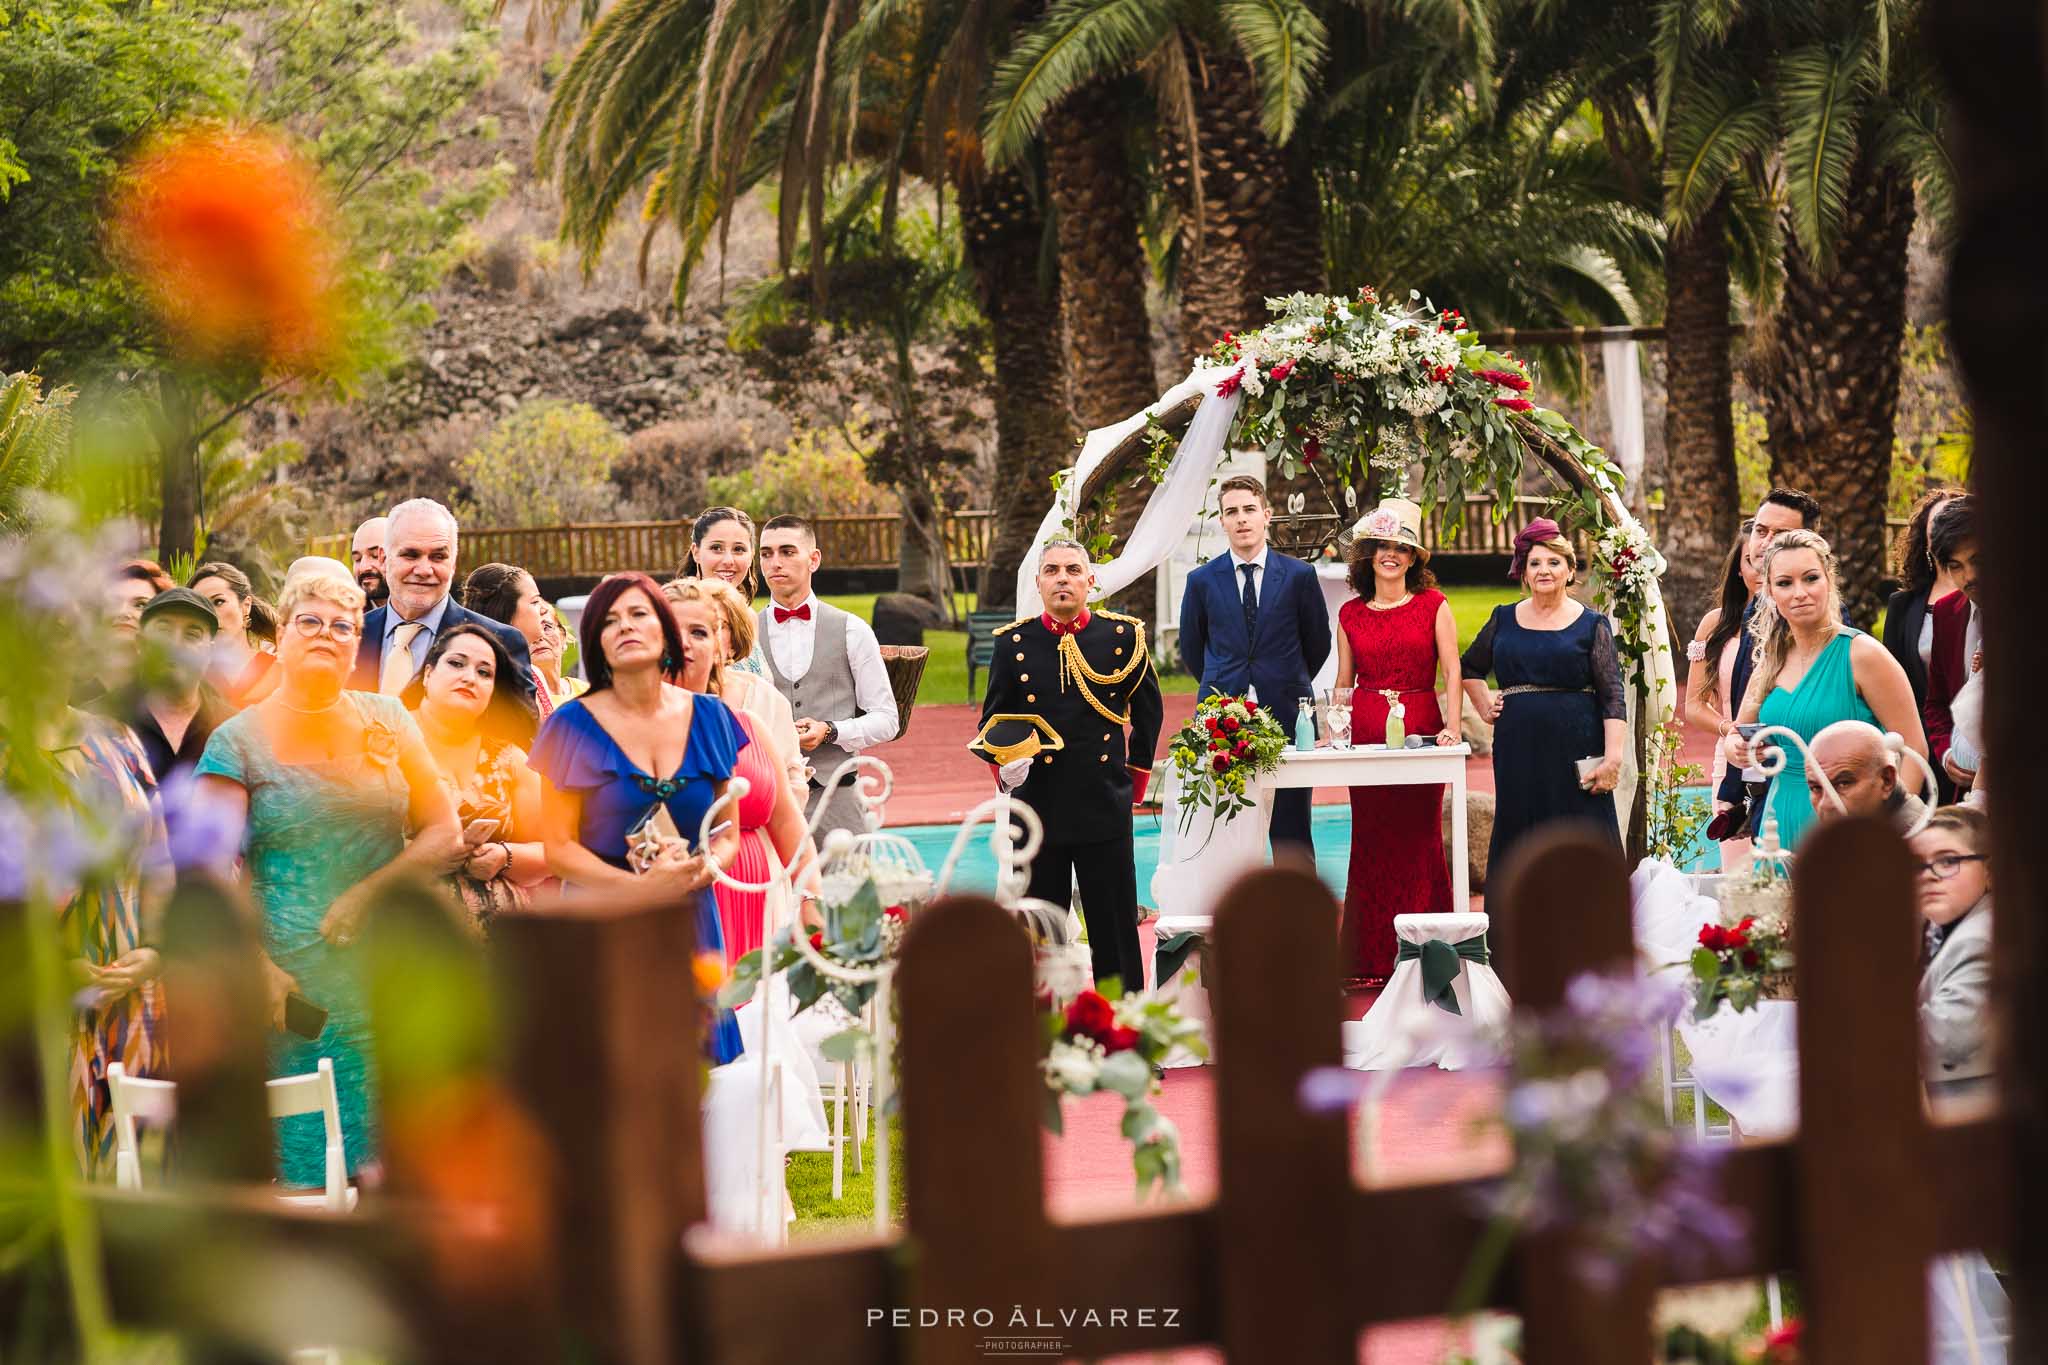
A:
[1283,1171]
[1566,901]
[972,1165]
[602,1043]
[1866,1223]
[215,1022]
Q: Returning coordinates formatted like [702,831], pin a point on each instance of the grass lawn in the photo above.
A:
[810,1188]
[945,672]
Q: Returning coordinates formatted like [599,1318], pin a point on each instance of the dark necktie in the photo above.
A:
[1251,601]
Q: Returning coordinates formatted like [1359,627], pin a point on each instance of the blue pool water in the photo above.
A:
[1330,826]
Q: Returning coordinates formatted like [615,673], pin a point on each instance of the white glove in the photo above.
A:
[1011,775]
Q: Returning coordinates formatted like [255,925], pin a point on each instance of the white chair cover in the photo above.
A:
[1402,1029]
[732,1100]
[1198,866]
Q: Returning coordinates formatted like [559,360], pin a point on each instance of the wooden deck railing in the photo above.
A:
[555,1203]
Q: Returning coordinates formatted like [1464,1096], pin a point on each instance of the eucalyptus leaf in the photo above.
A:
[1127,1074]
[848,1045]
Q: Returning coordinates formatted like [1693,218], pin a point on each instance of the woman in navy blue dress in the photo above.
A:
[631,744]
[1560,700]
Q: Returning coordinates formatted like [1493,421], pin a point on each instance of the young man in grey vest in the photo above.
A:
[827,662]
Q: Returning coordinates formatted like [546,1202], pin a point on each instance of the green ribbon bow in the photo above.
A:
[1440,966]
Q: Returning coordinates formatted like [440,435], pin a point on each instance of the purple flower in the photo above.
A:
[1332,1089]
[205,830]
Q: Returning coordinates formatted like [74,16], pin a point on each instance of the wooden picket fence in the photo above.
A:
[658,547]
[593,1252]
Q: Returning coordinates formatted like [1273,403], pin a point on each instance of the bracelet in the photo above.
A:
[1696,651]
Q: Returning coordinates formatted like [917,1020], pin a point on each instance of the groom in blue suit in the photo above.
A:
[1254,623]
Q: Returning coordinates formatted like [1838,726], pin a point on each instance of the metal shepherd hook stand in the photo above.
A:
[1770,760]
[872,782]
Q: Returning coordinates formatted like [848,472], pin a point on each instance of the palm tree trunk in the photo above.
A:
[1830,380]
[1102,260]
[1700,515]
[1034,433]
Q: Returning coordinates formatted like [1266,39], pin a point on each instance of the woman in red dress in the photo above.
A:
[1392,639]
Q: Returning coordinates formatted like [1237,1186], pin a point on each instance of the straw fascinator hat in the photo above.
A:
[1395,519]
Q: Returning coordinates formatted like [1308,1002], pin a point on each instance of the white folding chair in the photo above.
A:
[315,1093]
[136,1098]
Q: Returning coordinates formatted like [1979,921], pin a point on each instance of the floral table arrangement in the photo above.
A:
[1741,963]
[1223,748]
[1105,1040]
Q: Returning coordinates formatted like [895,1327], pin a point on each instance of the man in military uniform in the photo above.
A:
[1062,690]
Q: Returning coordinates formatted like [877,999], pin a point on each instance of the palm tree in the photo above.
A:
[35,431]
[1830,108]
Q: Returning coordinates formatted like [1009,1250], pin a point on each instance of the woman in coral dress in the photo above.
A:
[1391,641]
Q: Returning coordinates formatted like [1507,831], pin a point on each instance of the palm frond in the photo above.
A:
[1077,41]
[1910,138]
[1756,247]
[35,431]
[1818,109]
[1285,42]
[1718,124]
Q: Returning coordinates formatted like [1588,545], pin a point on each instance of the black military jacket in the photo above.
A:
[1097,691]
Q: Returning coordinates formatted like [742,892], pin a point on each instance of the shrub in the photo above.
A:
[547,463]
[820,472]
[666,466]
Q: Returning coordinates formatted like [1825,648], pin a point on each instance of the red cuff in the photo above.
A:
[1141,778]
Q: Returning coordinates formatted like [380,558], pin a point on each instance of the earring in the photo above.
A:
[668,663]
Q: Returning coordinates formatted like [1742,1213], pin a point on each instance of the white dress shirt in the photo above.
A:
[790,644]
[1258,563]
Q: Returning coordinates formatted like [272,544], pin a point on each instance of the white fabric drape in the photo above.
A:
[1175,503]
[1621,362]
[1403,1029]
[1196,867]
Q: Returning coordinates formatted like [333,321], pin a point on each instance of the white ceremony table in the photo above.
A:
[1195,868]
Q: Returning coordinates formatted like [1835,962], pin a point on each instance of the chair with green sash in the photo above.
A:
[1443,1004]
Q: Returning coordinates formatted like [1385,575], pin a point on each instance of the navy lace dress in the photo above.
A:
[578,754]
[1542,734]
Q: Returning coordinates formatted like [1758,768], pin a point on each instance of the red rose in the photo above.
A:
[1513,404]
[1312,449]
[1212,726]
[1090,1016]
[1710,936]
[1240,749]
[1750,959]
[1280,372]
[1230,725]
[1221,763]
[896,912]
[1788,1333]
[818,942]
[1747,921]
[1734,938]
[1231,383]
[1119,1039]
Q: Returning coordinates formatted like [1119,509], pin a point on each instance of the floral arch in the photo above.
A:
[1350,396]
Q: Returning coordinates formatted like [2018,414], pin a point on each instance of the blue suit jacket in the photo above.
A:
[1290,636]
[370,657]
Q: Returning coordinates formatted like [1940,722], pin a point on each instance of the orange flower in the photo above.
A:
[709,969]
[227,232]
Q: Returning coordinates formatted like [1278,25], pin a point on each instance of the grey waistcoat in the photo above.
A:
[825,692]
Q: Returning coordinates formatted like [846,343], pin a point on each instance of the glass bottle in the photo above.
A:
[1305,724]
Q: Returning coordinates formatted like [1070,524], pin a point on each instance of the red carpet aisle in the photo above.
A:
[1426,1133]
[938,781]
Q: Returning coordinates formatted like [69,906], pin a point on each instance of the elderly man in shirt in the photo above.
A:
[828,663]
[419,567]
[1866,773]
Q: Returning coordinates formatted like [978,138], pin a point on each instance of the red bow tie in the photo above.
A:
[1059,627]
[802,613]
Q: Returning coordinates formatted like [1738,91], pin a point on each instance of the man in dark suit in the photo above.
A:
[1071,722]
[1958,633]
[1253,623]
[419,567]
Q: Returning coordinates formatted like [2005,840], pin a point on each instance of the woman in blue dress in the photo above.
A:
[631,746]
[1811,671]
[1560,700]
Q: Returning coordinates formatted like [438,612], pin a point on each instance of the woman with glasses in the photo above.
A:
[1955,984]
[324,783]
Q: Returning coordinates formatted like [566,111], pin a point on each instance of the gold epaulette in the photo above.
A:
[1022,620]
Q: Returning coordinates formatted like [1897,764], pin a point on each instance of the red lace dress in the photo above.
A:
[1397,845]
[739,912]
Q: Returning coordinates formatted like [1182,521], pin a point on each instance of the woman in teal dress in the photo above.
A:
[637,748]
[1811,671]
[326,782]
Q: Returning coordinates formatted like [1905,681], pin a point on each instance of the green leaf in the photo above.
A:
[1706,964]
[1817,106]
[848,1045]
[1127,1074]
[739,985]
[1077,41]
[1285,43]
[1720,124]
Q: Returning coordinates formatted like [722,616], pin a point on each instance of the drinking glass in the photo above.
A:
[1340,717]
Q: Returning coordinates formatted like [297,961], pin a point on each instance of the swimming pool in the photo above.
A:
[1329,825]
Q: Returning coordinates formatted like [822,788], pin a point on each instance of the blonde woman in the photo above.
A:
[742,690]
[1811,670]
[324,783]
[769,814]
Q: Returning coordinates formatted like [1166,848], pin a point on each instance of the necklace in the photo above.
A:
[1378,605]
[304,711]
